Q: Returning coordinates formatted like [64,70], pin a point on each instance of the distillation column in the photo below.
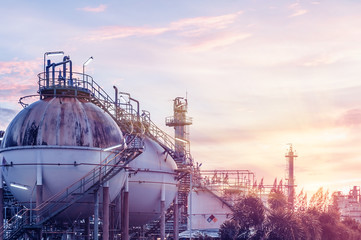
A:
[290,157]
[180,122]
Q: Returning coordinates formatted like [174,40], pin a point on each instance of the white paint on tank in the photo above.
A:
[151,171]
[60,166]
[208,210]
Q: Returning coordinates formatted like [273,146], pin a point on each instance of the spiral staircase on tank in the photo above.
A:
[131,122]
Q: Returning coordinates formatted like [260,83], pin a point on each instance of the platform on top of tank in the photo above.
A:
[64,92]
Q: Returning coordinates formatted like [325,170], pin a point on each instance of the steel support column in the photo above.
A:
[125,220]
[96,215]
[106,212]
[162,213]
[175,218]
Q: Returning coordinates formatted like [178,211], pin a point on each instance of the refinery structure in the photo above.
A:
[82,164]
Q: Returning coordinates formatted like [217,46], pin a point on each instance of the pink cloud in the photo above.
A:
[187,27]
[218,41]
[18,78]
[100,8]
[350,118]
[297,10]
[323,60]
[115,32]
[299,13]
[195,26]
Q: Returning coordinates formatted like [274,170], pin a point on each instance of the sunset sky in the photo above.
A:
[258,74]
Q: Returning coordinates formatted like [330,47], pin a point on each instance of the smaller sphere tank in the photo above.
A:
[152,172]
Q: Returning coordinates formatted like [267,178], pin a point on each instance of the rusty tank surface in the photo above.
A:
[61,121]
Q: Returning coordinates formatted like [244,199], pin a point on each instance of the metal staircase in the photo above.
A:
[26,222]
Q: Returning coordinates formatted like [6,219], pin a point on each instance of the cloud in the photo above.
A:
[18,78]
[299,13]
[116,32]
[297,10]
[218,41]
[198,25]
[350,118]
[100,8]
[319,61]
[6,115]
[189,27]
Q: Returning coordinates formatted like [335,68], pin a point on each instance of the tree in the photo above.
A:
[320,200]
[277,200]
[249,215]
[229,230]
[311,225]
[284,225]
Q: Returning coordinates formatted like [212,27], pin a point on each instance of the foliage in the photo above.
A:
[284,225]
[277,200]
[320,200]
[311,225]
[229,230]
[320,221]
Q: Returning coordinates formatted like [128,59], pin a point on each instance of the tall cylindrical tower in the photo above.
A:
[180,122]
[290,157]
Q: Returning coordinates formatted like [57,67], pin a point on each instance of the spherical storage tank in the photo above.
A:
[153,178]
[54,142]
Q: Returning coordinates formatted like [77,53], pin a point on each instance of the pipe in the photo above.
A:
[137,102]
[116,102]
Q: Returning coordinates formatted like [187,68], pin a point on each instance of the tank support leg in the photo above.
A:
[105,212]
[162,214]
[175,218]
[87,229]
[1,204]
[39,189]
[125,220]
[96,215]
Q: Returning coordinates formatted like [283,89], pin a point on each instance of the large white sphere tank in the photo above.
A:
[57,141]
[152,172]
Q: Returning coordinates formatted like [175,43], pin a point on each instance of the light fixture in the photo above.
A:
[86,63]
[116,146]
[16,185]
[181,140]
